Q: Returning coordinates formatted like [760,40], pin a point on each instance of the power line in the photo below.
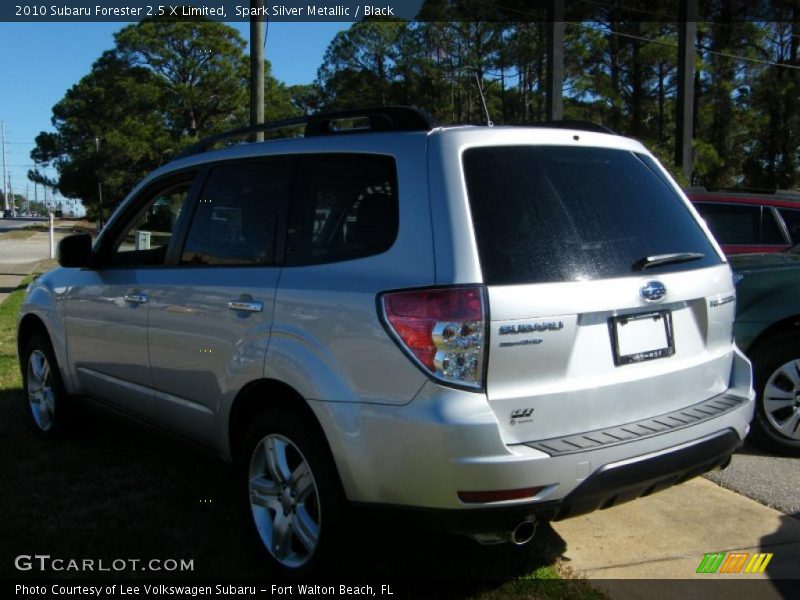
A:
[640,38]
[698,48]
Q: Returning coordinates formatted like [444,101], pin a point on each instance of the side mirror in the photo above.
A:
[76,251]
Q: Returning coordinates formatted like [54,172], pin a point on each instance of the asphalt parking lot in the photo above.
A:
[767,478]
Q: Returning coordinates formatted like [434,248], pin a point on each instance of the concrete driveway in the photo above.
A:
[19,257]
[667,535]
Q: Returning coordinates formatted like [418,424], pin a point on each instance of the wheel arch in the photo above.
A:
[254,398]
[785,326]
[30,325]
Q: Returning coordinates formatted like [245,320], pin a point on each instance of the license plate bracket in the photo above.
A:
[641,337]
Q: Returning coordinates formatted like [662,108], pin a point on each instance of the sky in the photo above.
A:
[41,61]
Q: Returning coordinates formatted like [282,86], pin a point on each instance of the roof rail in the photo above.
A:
[384,118]
[576,124]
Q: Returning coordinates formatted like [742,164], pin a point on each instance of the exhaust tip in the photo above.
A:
[523,533]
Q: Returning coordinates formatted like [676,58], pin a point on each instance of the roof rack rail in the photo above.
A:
[576,124]
[384,118]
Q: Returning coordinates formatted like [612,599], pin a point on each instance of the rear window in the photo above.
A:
[551,213]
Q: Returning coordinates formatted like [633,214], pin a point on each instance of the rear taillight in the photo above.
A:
[442,329]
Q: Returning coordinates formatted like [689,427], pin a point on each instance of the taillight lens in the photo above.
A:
[443,329]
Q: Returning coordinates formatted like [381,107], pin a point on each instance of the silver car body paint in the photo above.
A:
[398,437]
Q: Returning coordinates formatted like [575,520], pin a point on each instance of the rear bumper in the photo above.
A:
[609,486]
[421,455]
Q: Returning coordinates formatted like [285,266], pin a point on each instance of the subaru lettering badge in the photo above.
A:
[653,291]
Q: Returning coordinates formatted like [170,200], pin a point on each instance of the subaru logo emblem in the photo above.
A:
[653,291]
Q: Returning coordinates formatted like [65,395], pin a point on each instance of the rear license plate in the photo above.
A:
[641,337]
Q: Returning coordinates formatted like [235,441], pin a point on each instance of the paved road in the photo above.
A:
[9,224]
[19,258]
[31,249]
[770,479]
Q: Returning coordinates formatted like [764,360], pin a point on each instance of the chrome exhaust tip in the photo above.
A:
[523,533]
[519,536]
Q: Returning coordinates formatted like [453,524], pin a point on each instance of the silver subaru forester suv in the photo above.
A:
[486,326]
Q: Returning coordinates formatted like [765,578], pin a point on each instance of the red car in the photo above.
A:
[745,222]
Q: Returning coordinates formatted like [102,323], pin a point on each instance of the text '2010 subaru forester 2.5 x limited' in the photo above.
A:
[487,325]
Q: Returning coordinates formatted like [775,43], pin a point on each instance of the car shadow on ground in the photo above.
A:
[750,449]
[114,489]
[784,544]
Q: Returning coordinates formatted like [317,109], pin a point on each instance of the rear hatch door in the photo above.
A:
[608,302]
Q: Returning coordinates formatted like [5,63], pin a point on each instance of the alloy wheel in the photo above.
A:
[284,501]
[781,400]
[41,395]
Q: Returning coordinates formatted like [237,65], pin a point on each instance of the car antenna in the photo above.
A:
[483,101]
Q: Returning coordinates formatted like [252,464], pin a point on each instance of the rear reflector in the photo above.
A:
[498,495]
[443,329]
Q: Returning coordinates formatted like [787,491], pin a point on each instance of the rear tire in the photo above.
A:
[293,492]
[44,389]
[776,369]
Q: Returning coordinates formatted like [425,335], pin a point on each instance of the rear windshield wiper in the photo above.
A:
[666,259]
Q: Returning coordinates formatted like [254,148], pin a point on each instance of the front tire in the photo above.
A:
[293,491]
[776,368]
[44,390]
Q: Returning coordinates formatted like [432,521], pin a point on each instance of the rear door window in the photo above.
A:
[732,223]
[346,208]
[552,213]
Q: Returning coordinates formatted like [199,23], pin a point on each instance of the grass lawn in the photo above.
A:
[17,234]
[115,489]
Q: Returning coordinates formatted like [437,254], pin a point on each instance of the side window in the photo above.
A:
[770,228]
[145,241]
[792,219]
[732,223]
[346,208]
[236,218]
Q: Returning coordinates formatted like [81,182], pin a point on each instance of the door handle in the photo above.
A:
[135,298]
[246,306]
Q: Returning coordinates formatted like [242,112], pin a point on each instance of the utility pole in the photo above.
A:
[555,61]
[684,99]
[99,189]
[9,190]
[257,66]
[3,143]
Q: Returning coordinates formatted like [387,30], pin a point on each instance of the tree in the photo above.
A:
[202,70]
[359,65]
[163,85]
[118,108]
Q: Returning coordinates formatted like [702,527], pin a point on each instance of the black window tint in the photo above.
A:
[552,213]
[345,209]
[770,229]
[732,223]
[792,219]
[235,222]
